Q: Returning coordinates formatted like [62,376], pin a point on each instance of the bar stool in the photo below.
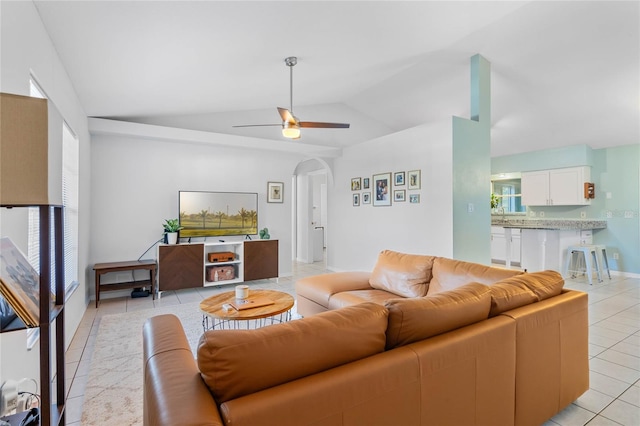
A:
[589,257]
[602,257]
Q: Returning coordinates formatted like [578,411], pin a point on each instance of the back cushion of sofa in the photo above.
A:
[509,294]
[449,274]
[406,275]
[544,284]
[234,363]
[411,320]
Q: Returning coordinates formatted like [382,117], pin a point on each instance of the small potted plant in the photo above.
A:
[171,228]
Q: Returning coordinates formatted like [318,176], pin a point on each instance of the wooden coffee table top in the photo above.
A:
[212,306]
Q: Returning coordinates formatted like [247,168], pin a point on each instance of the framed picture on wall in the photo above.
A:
[382,189]
[355,184]
[366,198]
[365,183]
[414,198]
[356,199]
[399,195]
[414,179]
[398,178]
[275,192]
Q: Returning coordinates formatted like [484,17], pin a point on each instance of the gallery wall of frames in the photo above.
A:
[384,189]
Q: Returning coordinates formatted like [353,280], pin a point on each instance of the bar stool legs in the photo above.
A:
[590,257]
[602,256]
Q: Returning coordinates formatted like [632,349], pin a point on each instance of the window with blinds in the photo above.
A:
[70,160]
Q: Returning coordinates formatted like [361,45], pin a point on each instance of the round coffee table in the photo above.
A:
[215,316]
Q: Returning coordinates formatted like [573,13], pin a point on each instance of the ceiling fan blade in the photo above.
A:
[321,125]
[286,115]
[257,125]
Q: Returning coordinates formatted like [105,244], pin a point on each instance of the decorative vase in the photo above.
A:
[172,237]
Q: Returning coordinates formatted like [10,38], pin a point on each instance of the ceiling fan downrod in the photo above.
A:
[291,61]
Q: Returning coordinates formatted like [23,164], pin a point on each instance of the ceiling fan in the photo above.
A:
[290,123]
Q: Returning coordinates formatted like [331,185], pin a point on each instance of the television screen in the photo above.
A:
[212,214]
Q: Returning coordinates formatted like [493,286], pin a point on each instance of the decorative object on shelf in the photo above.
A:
[414,198]
[171,228]
[264,234]
[589,190]
[399,195]
[275,192]
[355,184]
[398,178]
[414,179]
[366,198]
[365,183]
[356,199]
[382,188]
[19,283]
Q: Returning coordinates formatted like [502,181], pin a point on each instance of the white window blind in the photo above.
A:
[70,160]
[70,202]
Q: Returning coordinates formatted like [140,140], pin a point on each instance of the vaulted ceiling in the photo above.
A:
[563,72]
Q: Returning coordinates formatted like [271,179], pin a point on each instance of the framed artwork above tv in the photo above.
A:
[214,214]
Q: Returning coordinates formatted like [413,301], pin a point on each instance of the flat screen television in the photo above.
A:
[213,214]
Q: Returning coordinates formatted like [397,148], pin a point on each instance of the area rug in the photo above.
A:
[114,388]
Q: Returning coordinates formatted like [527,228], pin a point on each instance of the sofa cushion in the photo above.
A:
[509,294]
[544,284]
[449,274]
[416,319]
[234,363]
[406,275]
[320,288]
[348,298]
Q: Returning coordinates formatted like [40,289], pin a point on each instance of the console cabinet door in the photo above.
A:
[180,266]
[260,259]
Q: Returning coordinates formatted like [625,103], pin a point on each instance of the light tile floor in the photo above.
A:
[614,346]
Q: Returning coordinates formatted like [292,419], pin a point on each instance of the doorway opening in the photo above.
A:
[310,181]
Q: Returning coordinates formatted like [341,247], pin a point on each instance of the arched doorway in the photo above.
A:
[311,180]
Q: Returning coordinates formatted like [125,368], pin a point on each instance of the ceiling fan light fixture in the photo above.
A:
[290,130]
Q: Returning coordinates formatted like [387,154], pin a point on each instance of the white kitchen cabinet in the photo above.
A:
[498,245]
[558,187]
[503,241]
[515,246]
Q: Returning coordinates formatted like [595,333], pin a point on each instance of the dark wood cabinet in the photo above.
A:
[180,266]
[260,259]
[183,266]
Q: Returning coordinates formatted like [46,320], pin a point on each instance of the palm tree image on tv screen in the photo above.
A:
[214,214]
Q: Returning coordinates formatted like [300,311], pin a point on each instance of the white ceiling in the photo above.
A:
[563,72]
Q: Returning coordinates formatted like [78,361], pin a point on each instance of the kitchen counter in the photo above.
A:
[554,224]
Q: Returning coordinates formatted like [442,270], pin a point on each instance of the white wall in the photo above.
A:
[26,47]
[135,184]
[357,234]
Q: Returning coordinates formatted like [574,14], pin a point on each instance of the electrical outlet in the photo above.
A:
[470,208]
[616,256]
[583,215]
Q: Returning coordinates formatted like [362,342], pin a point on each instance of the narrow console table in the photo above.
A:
[131,265]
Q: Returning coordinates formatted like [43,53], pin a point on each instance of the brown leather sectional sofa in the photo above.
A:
[421,340]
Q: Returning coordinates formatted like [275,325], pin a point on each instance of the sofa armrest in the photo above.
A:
[552,355]
[174,392]
[320,288]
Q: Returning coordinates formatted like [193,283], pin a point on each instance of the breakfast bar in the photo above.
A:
[544,241]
